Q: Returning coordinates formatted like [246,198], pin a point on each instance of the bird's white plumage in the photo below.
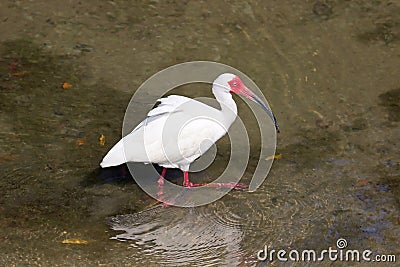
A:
[173,134]
[157,139]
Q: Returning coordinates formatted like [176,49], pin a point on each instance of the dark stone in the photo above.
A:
[322,10]
[391,101]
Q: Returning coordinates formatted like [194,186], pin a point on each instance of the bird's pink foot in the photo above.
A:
[188,184]
[160,182]
[167,204]
[160,186]
[236,186]
[241,186]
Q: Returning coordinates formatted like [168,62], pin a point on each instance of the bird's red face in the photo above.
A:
[237,87]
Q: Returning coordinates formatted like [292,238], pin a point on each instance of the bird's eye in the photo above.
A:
[235,83]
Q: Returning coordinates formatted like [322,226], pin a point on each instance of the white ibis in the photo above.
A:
[146,143]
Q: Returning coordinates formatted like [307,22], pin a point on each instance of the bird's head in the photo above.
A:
[233,84]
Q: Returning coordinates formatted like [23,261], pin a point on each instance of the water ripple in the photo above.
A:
[228,232]
[178,237]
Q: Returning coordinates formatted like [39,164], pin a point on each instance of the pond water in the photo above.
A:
[329,70]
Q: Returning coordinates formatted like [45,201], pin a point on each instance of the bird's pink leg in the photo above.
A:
[161,188]
[161,183]
[186,181]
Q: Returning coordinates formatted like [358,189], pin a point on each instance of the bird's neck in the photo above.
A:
[228,106]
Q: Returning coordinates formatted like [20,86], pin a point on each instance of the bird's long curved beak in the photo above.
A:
[244,91]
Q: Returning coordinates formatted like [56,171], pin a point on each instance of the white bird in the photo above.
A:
[173,134]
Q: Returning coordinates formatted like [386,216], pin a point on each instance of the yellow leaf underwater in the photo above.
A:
[102,140]
[66,85]
[75,241]
[277,156]
[19,73]
[80,141]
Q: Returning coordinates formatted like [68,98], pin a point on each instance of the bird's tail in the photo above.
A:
[115,157]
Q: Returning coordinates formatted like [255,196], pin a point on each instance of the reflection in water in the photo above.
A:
[180,236]
[228,232]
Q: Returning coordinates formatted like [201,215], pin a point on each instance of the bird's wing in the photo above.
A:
[167,105]
[148,142]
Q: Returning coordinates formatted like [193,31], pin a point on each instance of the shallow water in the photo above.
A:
[329,70]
